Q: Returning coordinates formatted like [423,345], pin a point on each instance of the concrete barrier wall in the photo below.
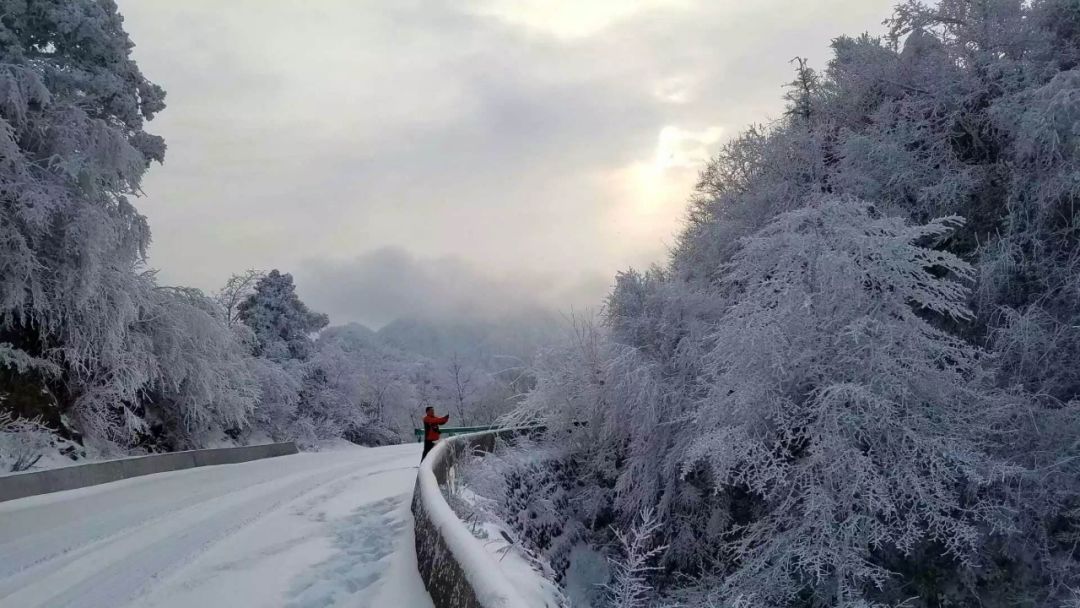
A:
[443,577]
[234,455]
[20,485]
[456,569]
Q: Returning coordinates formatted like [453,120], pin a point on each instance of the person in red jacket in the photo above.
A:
[431,429]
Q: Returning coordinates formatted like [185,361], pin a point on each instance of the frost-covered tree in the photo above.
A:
[202,380]
[630,585]
[278,399]
[840,410]
[805,436]
[237,289]
[346,392]
[88,340]
[72,151]
[282,323]
[462,384]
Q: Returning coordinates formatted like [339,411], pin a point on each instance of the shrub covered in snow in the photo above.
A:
[526,487]
[22,443]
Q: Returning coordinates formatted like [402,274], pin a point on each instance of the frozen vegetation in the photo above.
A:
[98,359]
[854,383]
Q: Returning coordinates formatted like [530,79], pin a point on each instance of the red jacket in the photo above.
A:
[431,426]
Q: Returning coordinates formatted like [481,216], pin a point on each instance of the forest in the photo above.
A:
[98,359]
[854,382]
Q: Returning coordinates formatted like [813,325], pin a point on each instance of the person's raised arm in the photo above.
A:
[444,419]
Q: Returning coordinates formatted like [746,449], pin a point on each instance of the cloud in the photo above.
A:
[548,139]
[569,18]
[390,283]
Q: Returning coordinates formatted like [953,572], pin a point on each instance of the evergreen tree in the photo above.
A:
[73,149]
[282,323]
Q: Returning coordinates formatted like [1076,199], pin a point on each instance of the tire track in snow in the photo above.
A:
[21,558]
[66,541]
[125,579]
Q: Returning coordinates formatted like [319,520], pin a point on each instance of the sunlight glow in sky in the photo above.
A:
[652,190]
[539,146]
[570,18]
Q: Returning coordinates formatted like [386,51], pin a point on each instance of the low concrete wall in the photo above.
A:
[456,569]
[155,463]
[33,483]
[443,577]
[205,458]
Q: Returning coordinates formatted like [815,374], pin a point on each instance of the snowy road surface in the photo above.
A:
[312,530]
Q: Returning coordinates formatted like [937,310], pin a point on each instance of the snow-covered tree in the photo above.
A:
[123,361]
[839,407]
[201,381]
[282,323]
[237,289]
[630,586]
[809,393]
[72,151]
[278,398]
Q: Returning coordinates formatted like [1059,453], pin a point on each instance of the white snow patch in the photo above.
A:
[315,529]
[516,568]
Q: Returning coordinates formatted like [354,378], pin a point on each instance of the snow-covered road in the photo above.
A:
[316,529]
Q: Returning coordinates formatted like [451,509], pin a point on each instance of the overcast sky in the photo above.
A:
[406,157]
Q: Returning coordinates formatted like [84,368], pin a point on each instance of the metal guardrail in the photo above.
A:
[456,430]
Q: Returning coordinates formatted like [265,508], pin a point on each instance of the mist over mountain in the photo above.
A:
[389,284]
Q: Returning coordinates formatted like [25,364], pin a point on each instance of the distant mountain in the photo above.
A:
[354,333]
[519,336]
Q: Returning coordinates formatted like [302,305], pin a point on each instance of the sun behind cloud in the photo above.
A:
[649,195]
[570,18]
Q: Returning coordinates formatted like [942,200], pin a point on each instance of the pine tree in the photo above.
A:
[282,323]
[73,150]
